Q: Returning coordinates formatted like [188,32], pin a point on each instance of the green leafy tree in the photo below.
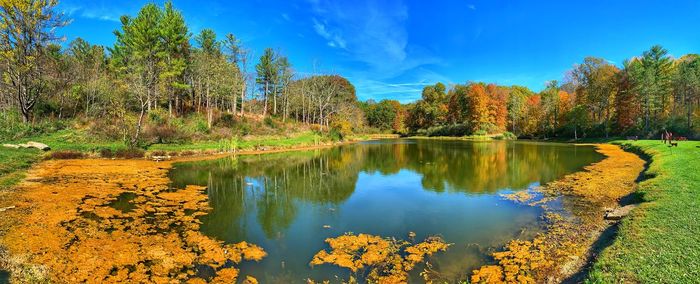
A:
[267,73]
[27,27]
[687,85]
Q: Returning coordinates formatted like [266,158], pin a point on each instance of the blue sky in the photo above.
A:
[393,48]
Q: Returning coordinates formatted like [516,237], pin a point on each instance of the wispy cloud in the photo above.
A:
[285,16]
[471,7]
[370,32]
[92,11]
[377,90]
[334,38]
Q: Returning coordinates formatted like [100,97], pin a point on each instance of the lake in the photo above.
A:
[289,203]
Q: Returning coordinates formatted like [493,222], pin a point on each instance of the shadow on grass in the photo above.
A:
[606,238]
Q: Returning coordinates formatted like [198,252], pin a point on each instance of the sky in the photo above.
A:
[391,49]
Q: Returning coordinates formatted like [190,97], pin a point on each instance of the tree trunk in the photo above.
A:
[265,104]
[243,95]
[135,139]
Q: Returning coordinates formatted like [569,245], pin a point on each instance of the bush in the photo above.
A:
[164,133]
[158,153]
[509,136]
[130,153]
[65,155]
[270,122]
[480,133]
[340,129]
[245,129]
[226,120]
[448,130]
[106,153]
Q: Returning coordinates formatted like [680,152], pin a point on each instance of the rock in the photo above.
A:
[6,208]
[620,212]
[11,146]
[40,146]
[30,144]
[160,158]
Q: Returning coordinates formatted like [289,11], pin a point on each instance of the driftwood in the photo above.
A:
[11,146]
[6,208]
[30,144]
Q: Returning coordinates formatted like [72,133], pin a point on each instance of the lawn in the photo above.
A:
[13,163]
[660,241]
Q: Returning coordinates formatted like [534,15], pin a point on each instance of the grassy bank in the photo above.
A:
[660,241]
[14,162]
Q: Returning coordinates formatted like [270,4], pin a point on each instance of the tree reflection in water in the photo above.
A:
[281,201]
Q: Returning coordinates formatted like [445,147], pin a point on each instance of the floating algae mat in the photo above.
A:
[291,204]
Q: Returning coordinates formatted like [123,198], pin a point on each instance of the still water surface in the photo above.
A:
[289,203]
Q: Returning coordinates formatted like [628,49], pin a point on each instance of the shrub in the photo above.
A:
[448,130]
[106,153]
[130,153]
[245,129]
[509,136]
[201,126]
[64,155]
[163,133]
[480,133]
[226,120]
[158,153]
[340,129]
[270,122]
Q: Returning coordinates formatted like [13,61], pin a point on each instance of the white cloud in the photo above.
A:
[92,11]
[334,39]
[371,32]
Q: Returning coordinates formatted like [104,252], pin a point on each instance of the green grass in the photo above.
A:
[14,163]
[72,140]
[300,139]
[660,241]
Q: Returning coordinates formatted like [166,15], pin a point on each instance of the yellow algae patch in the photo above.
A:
[606,181]
[519,196]
[387,260]
[69,224]
[562,249]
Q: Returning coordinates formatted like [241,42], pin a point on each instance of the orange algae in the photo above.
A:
[67,224]
[562,249]
[386,260]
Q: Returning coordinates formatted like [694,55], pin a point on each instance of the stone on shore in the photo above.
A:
[30,144]
[620,212]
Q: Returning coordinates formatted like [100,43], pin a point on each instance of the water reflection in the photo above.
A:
[290,202]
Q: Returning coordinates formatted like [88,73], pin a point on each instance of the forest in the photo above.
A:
[160,83]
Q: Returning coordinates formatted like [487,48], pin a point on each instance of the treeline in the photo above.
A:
[158,76]
[156,73]
[651,93]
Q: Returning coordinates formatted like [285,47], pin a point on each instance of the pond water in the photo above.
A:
[289,203]
[4,277]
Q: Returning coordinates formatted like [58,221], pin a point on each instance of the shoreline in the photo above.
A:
[561,254]
[144,164]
